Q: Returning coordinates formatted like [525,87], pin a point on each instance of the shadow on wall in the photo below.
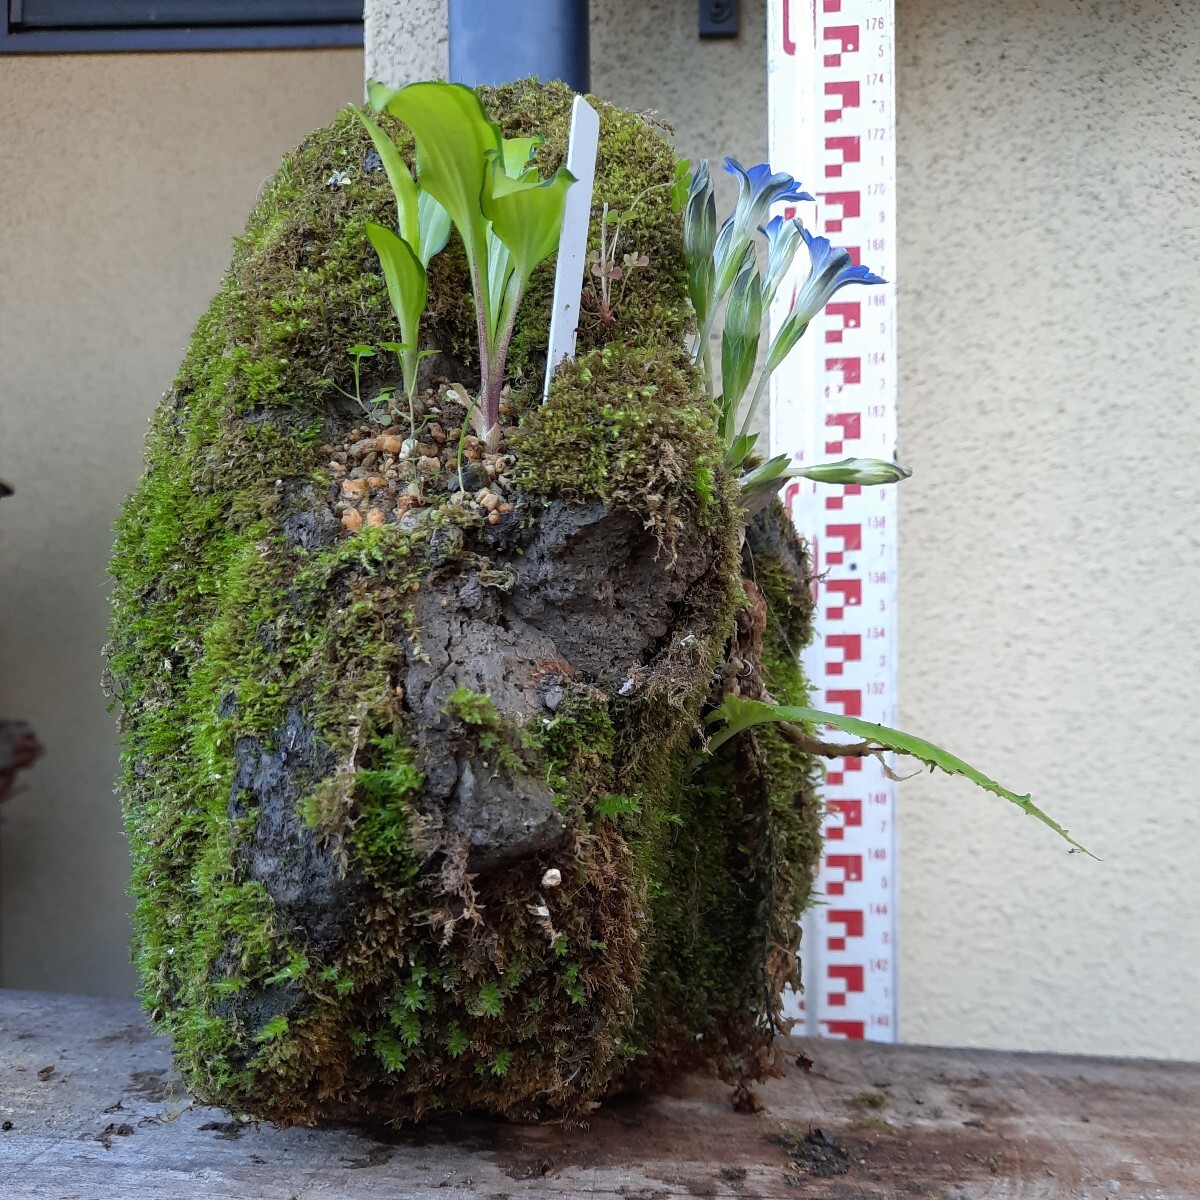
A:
[19,748]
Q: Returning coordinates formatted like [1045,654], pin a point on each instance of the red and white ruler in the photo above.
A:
[832,125]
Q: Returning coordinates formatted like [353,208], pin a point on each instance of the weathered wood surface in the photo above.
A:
[97,1113]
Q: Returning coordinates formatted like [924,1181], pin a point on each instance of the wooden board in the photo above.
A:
[97,1113]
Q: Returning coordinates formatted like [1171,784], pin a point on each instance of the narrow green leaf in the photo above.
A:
[740,448]
[739,715]
[680,184]
[739,339]
[399,176]
[408,288]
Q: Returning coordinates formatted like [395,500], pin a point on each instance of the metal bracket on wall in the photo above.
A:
[718,18]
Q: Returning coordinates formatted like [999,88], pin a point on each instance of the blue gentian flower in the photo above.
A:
[758,188]
[831,269]
[783,240]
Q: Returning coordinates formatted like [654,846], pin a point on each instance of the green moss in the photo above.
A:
[235,642]
[626,426]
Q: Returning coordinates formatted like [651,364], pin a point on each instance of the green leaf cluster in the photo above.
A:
[509,218]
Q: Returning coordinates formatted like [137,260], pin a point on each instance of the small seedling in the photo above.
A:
[604,267]
[402,351]
[357,354]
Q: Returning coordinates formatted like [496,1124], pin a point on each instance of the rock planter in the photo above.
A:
[411,730]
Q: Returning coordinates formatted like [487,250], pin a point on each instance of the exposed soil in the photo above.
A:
[385,471]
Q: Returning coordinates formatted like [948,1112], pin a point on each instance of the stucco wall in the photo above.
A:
[1049,319]
[122,179]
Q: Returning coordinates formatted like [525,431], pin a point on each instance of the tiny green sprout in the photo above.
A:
[603,263]
[358,353]
[404,353]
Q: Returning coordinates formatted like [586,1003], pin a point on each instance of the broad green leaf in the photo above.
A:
[518,152]
[454,140]
[525,215]
[399,176]
[433,223]
[379,95]
[739,715]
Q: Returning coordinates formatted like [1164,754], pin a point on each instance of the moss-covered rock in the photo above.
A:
[410,793]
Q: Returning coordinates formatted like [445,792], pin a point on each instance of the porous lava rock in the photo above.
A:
[412,771]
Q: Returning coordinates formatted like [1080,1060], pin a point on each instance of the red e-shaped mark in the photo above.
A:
[852,922]
[846,94]
[849,204]
[850,812]
[850,423]
[847,39]
[850,644]
[853,1031]
[839,151]
[848,312]
[852,978]
[851,701]
[850,866]
[850,368]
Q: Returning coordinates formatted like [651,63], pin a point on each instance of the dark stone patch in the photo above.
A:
[300,873]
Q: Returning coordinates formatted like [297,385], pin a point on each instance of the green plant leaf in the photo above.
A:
[739,339]
[526,213]
[518,152]
[740,714]
[454,139]
[739,448]
[403,186]
[680,184]
[407,286]
[433,223]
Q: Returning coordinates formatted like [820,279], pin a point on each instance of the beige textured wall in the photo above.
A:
[1049,322]
[122,179]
